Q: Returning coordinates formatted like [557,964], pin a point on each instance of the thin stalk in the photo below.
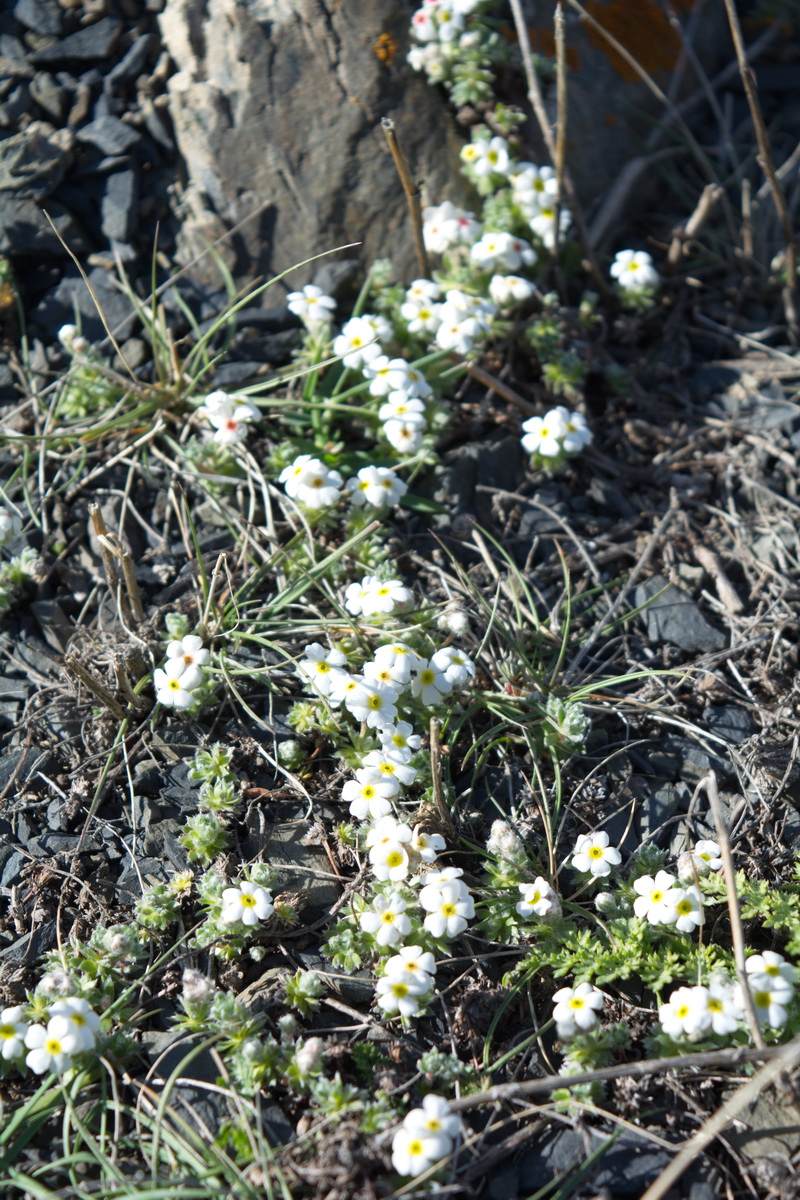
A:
[411,193]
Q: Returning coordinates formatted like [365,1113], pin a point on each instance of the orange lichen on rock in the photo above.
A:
[642,28]
[385,47]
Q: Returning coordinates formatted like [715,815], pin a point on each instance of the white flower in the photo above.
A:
[309,481]
[402,407]
[383,595]
[13,1029]
[430,59]
[655,900]
[507,290]
[386,920]
[175,684]
[399,996]
[426,845]
[446,225]
[770,996]
[449,908]
[189,650]
[634,271]
[245,903]
[83,1022]
[592,853]
[404,436]
[430,685]
[686,1012]
[399,660]
[422,289]
[502,250]
[229,416]
[688,906]
[412,1154]
[455,665]
[373,703]
[387,843]
[773,965]
[544,224]
[706,856]
[50,1049]
[487,156]
[433,1119]
[576,1009]
[412,962]
[321,668]
[434,881]
[311,305]
[378,486]
[10,525]
[723,1005]
[343,686]
[534,187]
[577,433]
[422,26]
[386,375]
[399,740]
[543,435]
[386,766]
[538,899]
[421,316]
[369,796]
[449,21]
[357,344]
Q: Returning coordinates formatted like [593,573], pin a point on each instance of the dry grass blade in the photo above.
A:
[785,1057]
[411,193]
[765,154]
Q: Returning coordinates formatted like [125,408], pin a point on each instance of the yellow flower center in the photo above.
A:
[685,907]
[399,990]
[388,918]
[682,1011]
[415,1149]
[449,910]
[7,1031]
[714,1004]
[53,1046]
[395,859]
[77,1019]
[595,852]
[174,685]
[248,901]
[577,1002]
[656,897]
[761,999]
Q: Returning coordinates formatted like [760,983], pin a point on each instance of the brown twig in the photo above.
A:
[709,197]
[411,193]
[765,154]
[436,776]
[561,117]
[496,385]
[782,1059]
[713,1060]
[108,556]
[95,686]
[709,784]
[537,104]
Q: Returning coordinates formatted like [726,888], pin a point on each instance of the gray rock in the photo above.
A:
[170,1051]
[678,757]
[13,864]
[90,44]
[58,306]
[730,722]
[657,803]
[32,163]
[31,946]
[674,617]
[118,205]
[24,229]
[42,16]
[626,1168]
[302,868]
[50,96]
[16,103]
[130,65]
[108,134]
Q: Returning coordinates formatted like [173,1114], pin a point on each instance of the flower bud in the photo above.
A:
[288,1026]
[505,843]
[606,903]
[309,1054]
[196,987]
[56,983]
[454,620]
[291,754]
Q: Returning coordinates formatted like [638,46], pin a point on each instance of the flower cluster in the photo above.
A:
[720,1008]
[309,481]
[229,417]
[406,982]
[577,1009]
[72,1028]
[427,1134]
[454,50]
[555,437]
[177,681]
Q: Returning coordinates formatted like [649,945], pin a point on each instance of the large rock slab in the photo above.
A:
[277,106]
[278,103]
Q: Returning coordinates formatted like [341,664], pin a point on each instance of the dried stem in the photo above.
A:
[786,1057]
[108,556]
[537,104]
[765,154]
[411,192]
[95,686]
[709,784]
[561,115]
[709,197]
[436,776]
[712,1060]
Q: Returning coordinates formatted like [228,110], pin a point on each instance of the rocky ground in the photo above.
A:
[682,521]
